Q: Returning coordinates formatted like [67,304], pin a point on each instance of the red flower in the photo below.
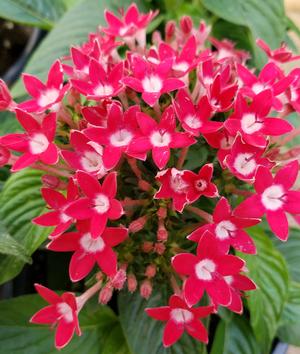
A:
[99,205]
[59,203]
[45,96]
[252,121]
[89,250]
[159,137]
[200,183]
[36,144]
[274,198]
[121,129]
[280,55]
[151,80]
[228,229]
[195,119]
[101,84]
[180,317]
[62,311]
[206,271]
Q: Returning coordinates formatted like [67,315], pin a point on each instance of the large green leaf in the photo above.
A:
[101,330]
[143,334]
[269,271]
[73,28]
[37,13]
[235,336]
[20,202]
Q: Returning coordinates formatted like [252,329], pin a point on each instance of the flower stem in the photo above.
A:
[182,157]
[83,298]
[203,214]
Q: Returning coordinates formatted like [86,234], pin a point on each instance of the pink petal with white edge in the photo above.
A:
[47,294]
[197,330]
[107,261]
[184,263]
[64,334]
[279,224]
[161,156]
[172,332]
[159,313]
[250,208]
[80,265]
[287,175]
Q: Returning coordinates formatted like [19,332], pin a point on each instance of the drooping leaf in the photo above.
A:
[269,271]
[20,202]
[100,327]
[144,334]
[72,29]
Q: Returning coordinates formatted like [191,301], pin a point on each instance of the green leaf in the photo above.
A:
[265,19]
[235,336]
[100,327]
[20,202]
[196,157]
[144,334]
[72,29]
[36,13]
[269,271]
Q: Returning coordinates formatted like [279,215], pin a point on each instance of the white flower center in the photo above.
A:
[204,269]
[38,143]
[181,66]
[181,316]
[104,90]
[226,142]
[250,124]
[225,229]
[123,30]
[200,185]
[101,203]
[90,244]
[64,217]
[245,164]
[258,87]
[121,138]
[91,161]
[228,279]
[224,53]
[294,94]
[272,197]
[152,84]
[177,183]
[65,311]
[160,138]
[47,97]
[193,121]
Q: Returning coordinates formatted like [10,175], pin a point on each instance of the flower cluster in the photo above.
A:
[145,149]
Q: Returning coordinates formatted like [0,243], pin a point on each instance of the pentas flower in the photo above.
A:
[151,80]
[227,229]
[180,318]
[159,137]
[243,160]
[99,205]
[132,24]
[89,250]
[86,156]
[200,183]
[280,55]
[206,271]
[62,312]
[270,78]
[226,50]
[45,96]
[238,283]
[195,119]
[96,115]
[80,68]
[251,121]
[36,143]
[58,203]
[116,137]
[6,101]
[101,84]
[274,198]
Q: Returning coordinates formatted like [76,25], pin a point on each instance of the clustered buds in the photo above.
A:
[139,146]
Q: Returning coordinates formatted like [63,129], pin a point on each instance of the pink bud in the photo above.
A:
[146,289]
[159,248]
[144,185]
[186,24]
[162,213]
[156,38]
[105,294]
[147,246]
[162,233]
[150,271]
[170,29]
[119,279]
[138,224]
[131,283]
[4,156]
[5,97]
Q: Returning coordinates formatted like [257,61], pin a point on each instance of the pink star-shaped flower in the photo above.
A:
[280,55]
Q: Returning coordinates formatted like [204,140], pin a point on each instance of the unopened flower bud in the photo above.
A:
[138,224]
[159,248]
[186,24]
[150,271]
[156,38]
[146,289]
[4,156]
[119,279]
[162,233]
[162,213]
[131,283]
[144,185]
[147,246]
[5,97]
[170,30]
[105,294]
